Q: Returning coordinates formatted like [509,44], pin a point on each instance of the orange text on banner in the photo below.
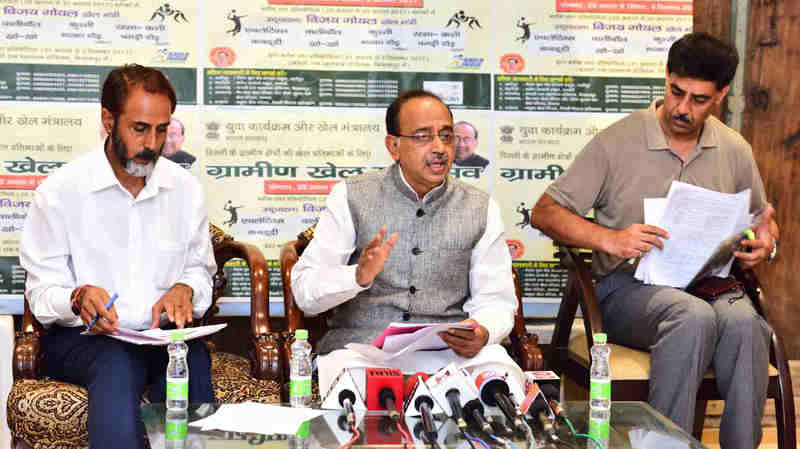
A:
[20,182]
[626,7]
[298,187]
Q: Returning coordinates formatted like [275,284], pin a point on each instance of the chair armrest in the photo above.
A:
[524,345]
[264,352]
[581,287]
[27,355]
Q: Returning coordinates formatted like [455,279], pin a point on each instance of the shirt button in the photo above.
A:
[420,212]
[406,316]
[412,290]
[416,251]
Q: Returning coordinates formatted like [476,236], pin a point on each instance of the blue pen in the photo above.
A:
[97,317]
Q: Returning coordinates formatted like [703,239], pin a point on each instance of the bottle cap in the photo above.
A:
[301,334]
[600,337]
[177,335]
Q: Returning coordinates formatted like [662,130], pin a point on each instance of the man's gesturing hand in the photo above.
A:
[177,302]
[635,240]
[373,256]
[466,342]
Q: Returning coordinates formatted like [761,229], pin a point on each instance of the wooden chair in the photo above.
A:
[630,368]
[44,413]
[524,345]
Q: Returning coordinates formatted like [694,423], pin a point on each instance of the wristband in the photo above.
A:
[76,298]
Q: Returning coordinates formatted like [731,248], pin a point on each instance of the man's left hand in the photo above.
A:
[177,302]
[761,246]
[466,342]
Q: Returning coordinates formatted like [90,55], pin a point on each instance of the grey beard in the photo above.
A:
[138,170]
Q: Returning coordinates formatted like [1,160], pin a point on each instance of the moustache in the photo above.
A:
[437,157]
[683,118]
[146,154]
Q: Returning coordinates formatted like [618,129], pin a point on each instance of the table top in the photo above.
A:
[629,420]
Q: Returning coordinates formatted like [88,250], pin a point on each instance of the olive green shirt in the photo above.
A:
[631,160]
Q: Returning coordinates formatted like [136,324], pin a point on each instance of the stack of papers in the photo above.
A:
[705,228]
[402,338]
[160,337]
[253,417]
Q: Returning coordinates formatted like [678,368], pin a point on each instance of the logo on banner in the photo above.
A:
[526,216]
[515,248]
[234,216]
[507,132]
[461,62]
[165,11]
[460,18]
[526,31]
[512,63]
[222,56]
[212,130]
[164,56]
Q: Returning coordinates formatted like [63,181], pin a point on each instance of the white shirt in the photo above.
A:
[321,279]
[83,227]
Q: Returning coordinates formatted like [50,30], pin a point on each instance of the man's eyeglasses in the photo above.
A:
[424,138]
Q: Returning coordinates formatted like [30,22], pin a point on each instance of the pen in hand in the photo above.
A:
[97,316]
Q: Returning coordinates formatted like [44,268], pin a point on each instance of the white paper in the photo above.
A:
[253,417]
[697,220]
[426,339]
[160,337]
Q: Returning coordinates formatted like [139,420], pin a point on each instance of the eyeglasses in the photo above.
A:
[424,138]
[465,139]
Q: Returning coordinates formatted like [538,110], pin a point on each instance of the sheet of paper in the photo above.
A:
[396,329]
[252,417]
[697,220]
[160,337]
[653,211]
[425,339]
[642,438]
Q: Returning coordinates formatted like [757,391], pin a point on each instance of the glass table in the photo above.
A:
[633,425]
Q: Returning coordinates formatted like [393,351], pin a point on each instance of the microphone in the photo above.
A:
[494,392]
[418,399]
[452,388]
[384,386]
[551,394]
[474,415]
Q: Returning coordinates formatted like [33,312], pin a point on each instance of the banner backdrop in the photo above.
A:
[281,99]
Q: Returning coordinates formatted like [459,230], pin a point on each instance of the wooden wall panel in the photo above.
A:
[771,123]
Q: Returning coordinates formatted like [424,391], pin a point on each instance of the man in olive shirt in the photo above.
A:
[638,157]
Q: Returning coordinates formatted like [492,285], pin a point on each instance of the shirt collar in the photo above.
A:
[656,140]
[431,195]
[103,177]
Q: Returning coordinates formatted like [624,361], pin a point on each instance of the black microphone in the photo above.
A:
[346,400]
[386,399]
[495,393]
[454,399]
[423,404]
[474,414]
[552,394]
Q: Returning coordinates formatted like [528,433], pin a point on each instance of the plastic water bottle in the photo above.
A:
[600,392]
[300,373]
[176,428]
[177,374]
[301,440]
